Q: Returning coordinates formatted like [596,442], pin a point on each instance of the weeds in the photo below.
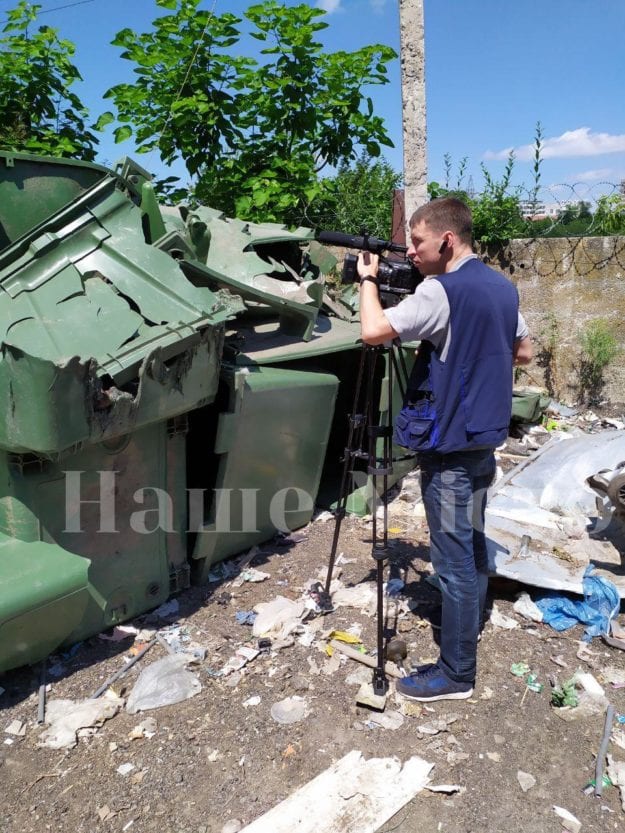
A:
[599,348]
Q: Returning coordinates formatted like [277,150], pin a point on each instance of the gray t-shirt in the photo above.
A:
[425,315]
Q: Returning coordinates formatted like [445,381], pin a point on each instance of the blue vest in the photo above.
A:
[465,402]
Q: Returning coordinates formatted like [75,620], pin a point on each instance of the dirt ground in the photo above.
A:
[216,757]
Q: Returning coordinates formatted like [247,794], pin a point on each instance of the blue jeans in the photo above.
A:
[454,488]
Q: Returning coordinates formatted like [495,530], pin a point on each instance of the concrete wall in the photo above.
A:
[564,283]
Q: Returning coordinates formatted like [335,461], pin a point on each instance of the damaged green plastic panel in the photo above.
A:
[119,507]
[272,441]
[87,308]
[44,597]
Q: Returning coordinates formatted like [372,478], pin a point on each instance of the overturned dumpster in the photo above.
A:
[175,387]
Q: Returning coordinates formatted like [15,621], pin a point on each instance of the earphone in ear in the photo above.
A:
[442,248]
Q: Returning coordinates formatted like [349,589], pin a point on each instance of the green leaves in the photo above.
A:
[39,113]
[254,134]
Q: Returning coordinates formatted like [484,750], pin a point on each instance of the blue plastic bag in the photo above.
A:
[601,603]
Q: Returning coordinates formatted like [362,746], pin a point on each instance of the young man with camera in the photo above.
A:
[466,317]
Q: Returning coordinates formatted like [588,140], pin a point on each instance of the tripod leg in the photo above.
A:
[356,421]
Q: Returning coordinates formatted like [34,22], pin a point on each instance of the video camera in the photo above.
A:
[397,278]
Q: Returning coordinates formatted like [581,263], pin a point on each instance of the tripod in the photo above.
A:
[362,429]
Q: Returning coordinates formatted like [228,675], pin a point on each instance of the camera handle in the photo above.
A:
[362,428]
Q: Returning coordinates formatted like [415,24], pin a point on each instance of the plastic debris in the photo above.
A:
[601,603]
[526,781]
[519,669]
[66,717]
[119,633]
[242,656]
[393,587]
[251,701]
[163,683]
[569,822]
[251,575]
[278,618]
[146,729]
[290,710]
[499,620]
[245,617]
[167,610]
[525,607]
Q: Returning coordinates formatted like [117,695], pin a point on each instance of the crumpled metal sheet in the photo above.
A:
[546,497]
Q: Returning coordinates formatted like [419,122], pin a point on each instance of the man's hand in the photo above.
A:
[374,325]
[367,265]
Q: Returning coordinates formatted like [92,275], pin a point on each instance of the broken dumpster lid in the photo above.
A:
[547,498]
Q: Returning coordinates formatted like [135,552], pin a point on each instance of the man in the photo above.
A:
[467,318]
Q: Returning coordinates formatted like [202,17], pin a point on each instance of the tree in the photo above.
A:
[39,113]
[358,198]
[255,135]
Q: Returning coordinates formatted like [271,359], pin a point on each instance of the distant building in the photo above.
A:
[539,210]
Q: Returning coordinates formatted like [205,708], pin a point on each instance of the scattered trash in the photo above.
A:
[386,720]
[119,633]
[66,717]
[616,773]
[393,587]
[146,729]
[525,607]
[433,727]
[526,781]
[125,769]
[323,516]
[499,620]
[290,710]
[558,660]
[251,575]
[16,728]
[569,822]
[245,617]
[390,668]
[242,656]
[167,610]
[615,676]
[251,701]
[600,604]
[163,683]
[120,672]
[603,749]
[278,618]
[519,669]
[353,796]
[590,786]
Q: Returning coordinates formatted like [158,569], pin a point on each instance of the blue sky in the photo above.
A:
[493,69]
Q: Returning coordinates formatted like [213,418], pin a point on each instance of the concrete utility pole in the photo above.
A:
[413,100]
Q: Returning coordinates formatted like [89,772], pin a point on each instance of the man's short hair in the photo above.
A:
[446,214]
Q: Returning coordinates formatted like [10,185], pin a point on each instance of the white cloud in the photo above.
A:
[580,142]
[605,174]
[378,6]
[329,6]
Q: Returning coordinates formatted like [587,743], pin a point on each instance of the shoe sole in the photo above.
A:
[454,695]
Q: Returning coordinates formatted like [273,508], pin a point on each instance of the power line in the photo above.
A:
[58,8]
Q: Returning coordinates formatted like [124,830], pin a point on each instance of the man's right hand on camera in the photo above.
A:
[367,265]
